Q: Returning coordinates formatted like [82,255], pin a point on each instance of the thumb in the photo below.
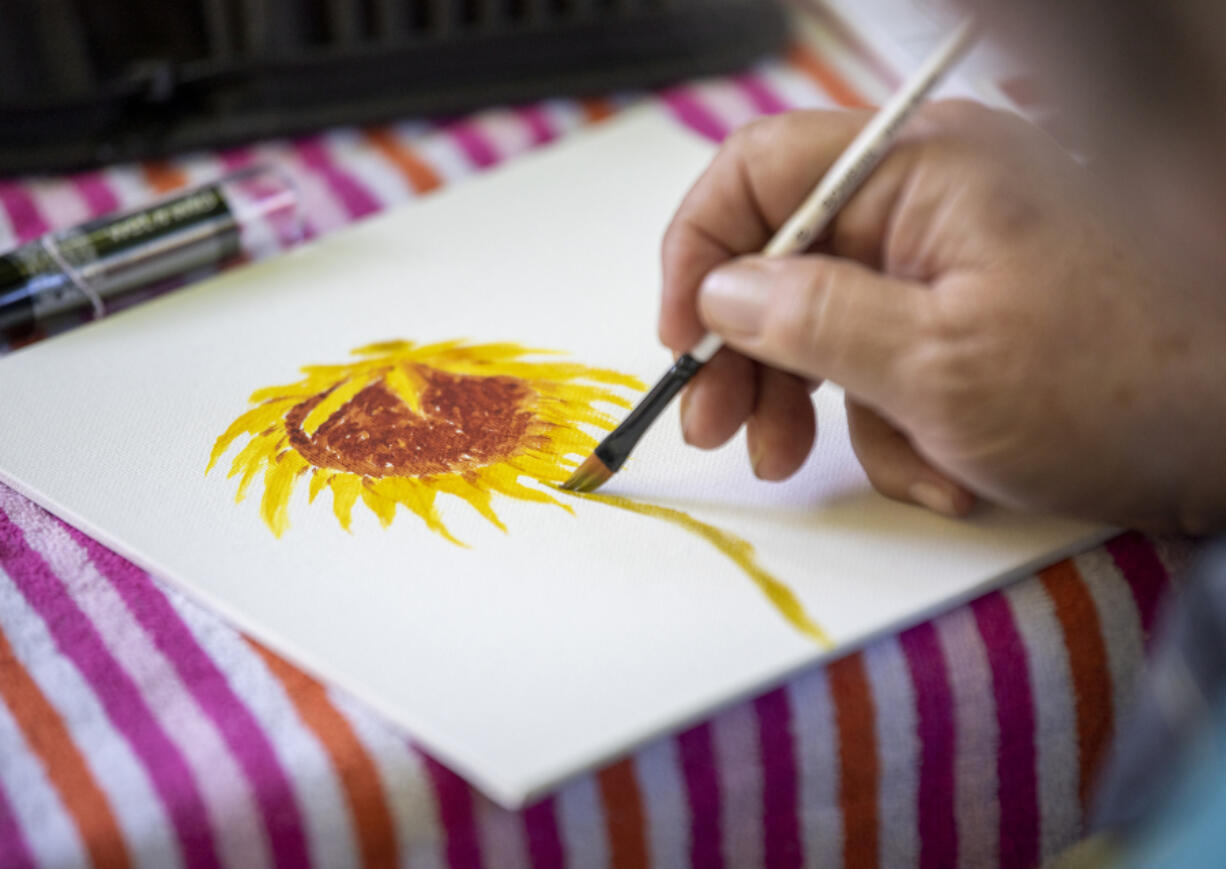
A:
[818,317]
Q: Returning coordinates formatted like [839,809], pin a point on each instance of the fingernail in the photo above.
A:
[934,498]
[756,454]
[685,415]
[733,298]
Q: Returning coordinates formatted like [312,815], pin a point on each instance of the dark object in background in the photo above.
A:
[86,82]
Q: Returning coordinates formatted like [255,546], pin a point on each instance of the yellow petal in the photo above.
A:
[345,488]
[497,352]
[332,402]
[506,480]
[319,480]
[547,471]
[258,452]
[381,347]
[425,351]
[384,508]
[407,384]
[278,486]
[470,491]
[582,394]
[417,497]
[253,421]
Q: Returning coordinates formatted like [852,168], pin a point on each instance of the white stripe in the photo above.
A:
[564,116]
[1121,628]
[200,168]
[581,823]
[323,209]
[505,130]
[60,203]
[1055,736]
[885,666]
[501,833]
[136,805]
[817,747]
[129,185]
[858,75]
[666,814]
[236,818]
[410,798]
[317,792]
[49,830]
[368,167]
[726,101]
[795,89]
[439,150]
[976,739]
[738,759]
[1175,553]
[8,237]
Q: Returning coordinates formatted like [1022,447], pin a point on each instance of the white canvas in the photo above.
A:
[532,654]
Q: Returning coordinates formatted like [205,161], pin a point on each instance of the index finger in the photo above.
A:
[757,179]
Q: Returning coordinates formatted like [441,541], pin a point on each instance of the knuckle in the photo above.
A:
[964,370]
[1008,212]
[760,137]
[749,138]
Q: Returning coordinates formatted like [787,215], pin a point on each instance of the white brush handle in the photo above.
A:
[810,220]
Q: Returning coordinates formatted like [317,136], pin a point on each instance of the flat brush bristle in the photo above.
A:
[589,476]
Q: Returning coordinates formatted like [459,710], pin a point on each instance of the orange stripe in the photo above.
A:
[49,738]
[416,171]
[825,76]
[1087,654]
[623,811]
[359,778]
[596,109]
[163,177]
[854,717]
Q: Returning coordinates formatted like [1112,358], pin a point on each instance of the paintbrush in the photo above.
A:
[795,236]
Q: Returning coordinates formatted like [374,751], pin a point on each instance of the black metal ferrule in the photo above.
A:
[615,449]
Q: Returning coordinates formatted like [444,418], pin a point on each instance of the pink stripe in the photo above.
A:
[23,214]
[1144,573]
[538,124]
[78,640]
[358,202]
[934,707]
[780,781]
[760,94]
[1015,760]
[97,194]
[14,850]
[541,831]
[212,692]
[702,790]
[472,142]
[455,810]
[694,114]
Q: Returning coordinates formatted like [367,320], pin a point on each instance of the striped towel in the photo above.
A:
[138,729]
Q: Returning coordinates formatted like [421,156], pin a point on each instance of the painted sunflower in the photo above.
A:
[405,423]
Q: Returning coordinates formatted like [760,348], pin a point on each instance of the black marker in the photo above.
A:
[87,268]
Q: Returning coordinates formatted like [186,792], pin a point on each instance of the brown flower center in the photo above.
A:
[468,422]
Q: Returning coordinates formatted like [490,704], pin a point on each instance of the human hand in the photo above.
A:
[998,333]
